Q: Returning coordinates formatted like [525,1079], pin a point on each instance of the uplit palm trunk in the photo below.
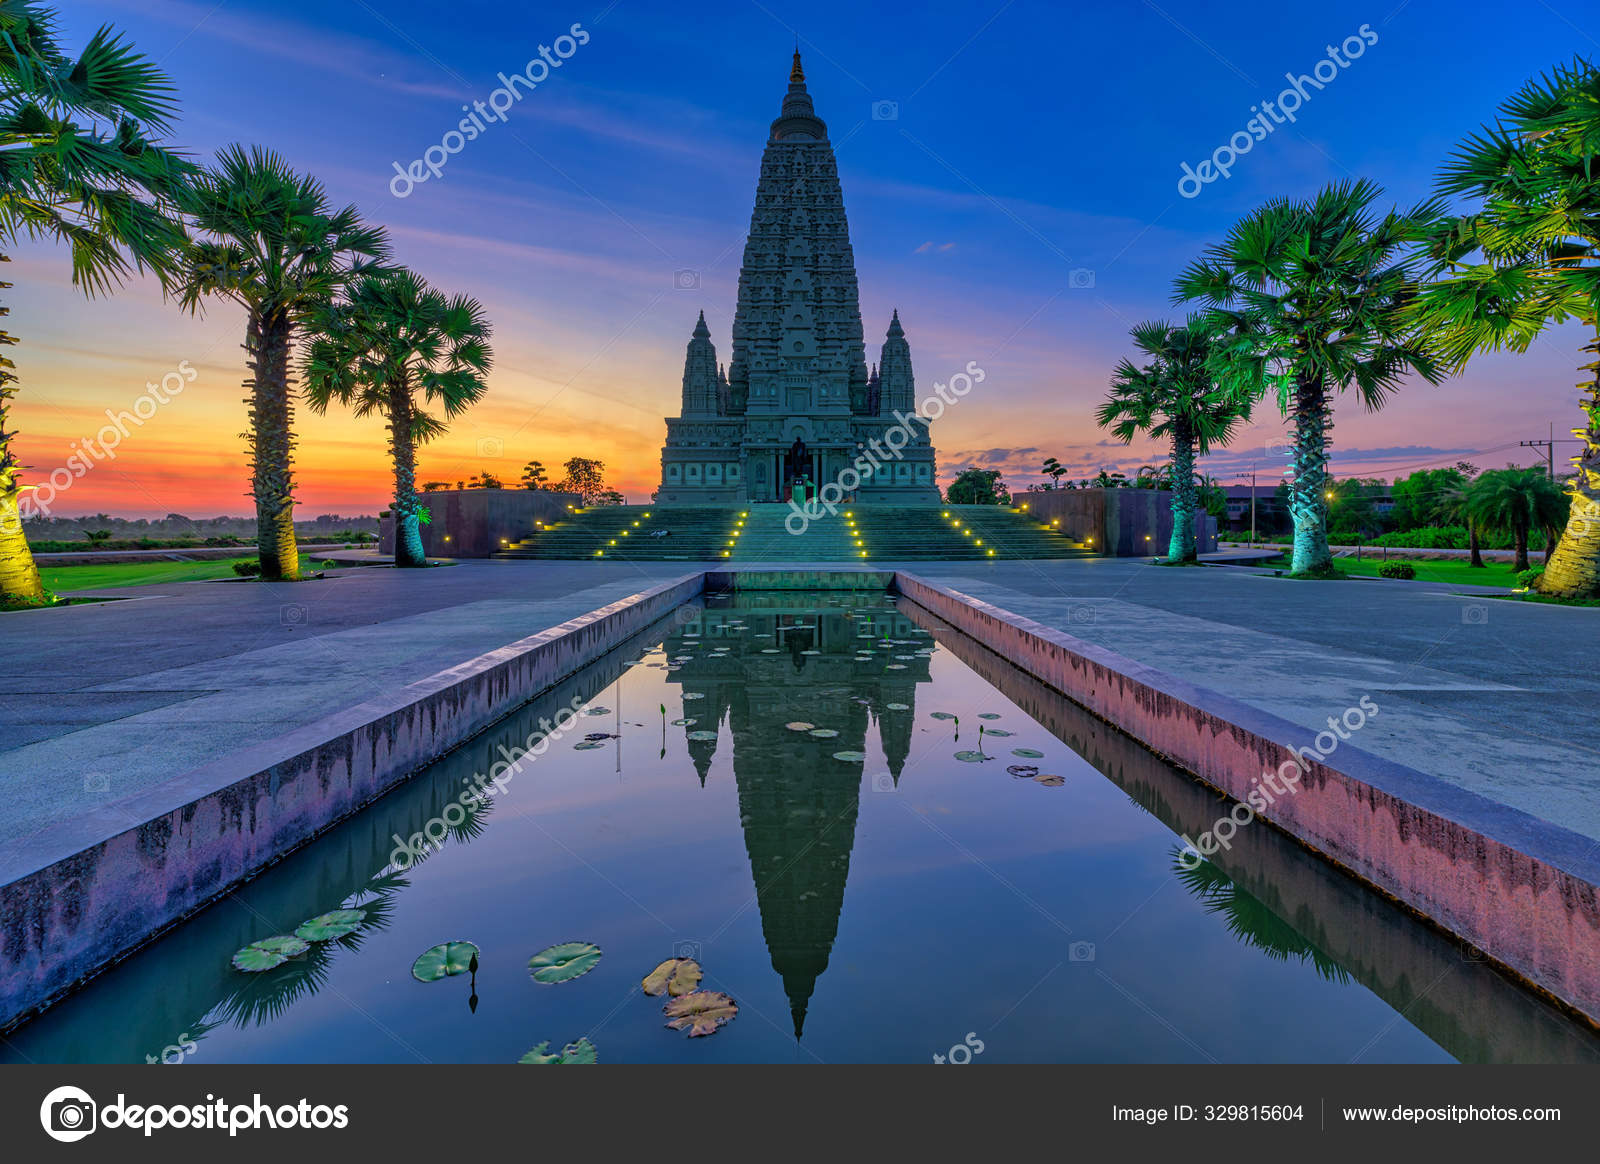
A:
[1182,546]
[402,446]
[1573,570]
[271,441]
[1306,505]
[19,575]
[1474,545]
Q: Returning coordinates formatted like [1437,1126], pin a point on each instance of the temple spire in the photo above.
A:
[797,75]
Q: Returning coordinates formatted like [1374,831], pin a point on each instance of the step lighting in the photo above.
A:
[991,553]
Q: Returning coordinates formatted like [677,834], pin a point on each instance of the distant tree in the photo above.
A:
[534,476]
[975,486]
[611,497]
[1054,470]
[434,486]
[585,477]
[1421,498]
[1517,501]
[484,480]
[96,536]
[1172,396]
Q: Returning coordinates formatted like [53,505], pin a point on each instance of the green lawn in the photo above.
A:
[1459,573]
[118,574]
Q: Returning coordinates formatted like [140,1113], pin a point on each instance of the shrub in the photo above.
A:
[248,568]
[1528,579]
[1397,570]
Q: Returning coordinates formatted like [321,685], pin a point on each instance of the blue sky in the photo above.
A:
[1028,141]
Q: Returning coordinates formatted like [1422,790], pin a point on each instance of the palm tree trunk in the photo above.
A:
[1473,544]
[1306,504]
[1181,548]
[408,550]
[271,442]
[1520,538]
[19,575]
[1573,569]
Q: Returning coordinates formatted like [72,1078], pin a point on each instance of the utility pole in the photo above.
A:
[1549,447]
[1251,542]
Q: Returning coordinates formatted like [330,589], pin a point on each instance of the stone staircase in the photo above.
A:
[953,533]
[624,533]
[756,533]
[765,538]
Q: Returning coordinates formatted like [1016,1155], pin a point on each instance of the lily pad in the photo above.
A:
[675,976]
[325,927]
[701,1013]
[770,651]
[811,652]
[583,1051]
[684,722]
[445,961]
[799,725]
[850,757]
[563,962]
[1028,753]
[941,715]
[694,694]
[702,735]
[973,757]
[1049,780]
[1022,771]
[998,732]
[822,733]
[269,953]
[988,715]
[587,745]
[898,706]
[597,711]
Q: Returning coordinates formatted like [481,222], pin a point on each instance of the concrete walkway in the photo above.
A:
[100,701]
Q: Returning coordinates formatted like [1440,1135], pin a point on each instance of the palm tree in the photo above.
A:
[77,168]
[1516,501]
[273,246]
[1310,293]
[1452,506]
[1537,239]
[389,338]
[1173,396]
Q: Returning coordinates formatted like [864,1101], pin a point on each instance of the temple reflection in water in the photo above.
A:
[755,664]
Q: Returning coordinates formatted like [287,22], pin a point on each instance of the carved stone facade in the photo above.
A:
[797,407]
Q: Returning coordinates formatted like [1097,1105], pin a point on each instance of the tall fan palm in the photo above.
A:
[1516,501]
[1173,396]
[1536,242]
[389,338]
[76,167]
[1310,294]
[272,245]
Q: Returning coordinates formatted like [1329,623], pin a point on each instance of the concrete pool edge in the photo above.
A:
[1519,889]
[81,895]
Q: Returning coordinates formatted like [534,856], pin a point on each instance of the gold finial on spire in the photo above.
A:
[796,74]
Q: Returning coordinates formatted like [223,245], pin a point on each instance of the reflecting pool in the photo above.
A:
[882,841]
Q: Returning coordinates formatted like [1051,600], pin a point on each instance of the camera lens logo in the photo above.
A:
[68,1114]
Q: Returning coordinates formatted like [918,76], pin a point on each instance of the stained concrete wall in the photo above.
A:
[1126,523]
[474,523]
[76,897]
[1518,889]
